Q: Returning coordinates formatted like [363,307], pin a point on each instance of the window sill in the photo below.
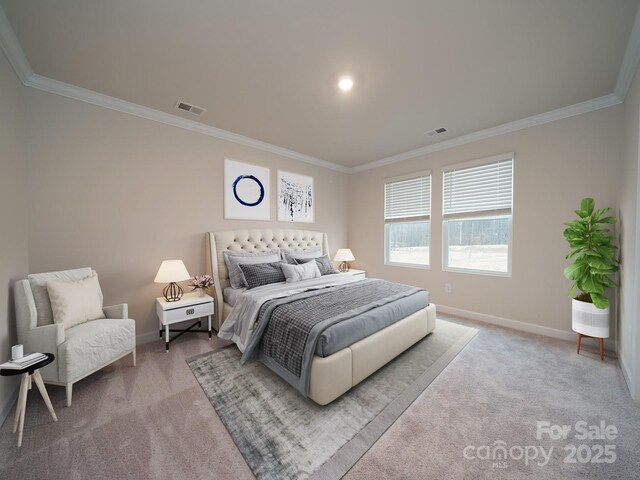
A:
[407,265]
[478,272]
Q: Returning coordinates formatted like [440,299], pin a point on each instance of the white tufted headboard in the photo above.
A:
[252,241]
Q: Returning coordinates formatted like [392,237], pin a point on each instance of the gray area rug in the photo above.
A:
[283,435]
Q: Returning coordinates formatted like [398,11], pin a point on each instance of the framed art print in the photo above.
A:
[296,198]
[247,192]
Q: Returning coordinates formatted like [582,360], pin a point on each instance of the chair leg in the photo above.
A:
[134,357]
[69,393]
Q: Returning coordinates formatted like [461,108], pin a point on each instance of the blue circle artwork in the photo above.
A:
[248,203]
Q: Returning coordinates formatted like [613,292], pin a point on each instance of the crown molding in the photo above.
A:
[630,61]
[84,95]
[535,120]
[11,46]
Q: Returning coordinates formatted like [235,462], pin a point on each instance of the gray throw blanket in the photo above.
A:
[288,328]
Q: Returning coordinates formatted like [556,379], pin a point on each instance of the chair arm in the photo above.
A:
[44,339]
[116,311]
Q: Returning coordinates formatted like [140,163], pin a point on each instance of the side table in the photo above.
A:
[355,273]
[190,306]
[27,373]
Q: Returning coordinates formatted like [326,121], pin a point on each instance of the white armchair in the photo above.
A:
[80,350]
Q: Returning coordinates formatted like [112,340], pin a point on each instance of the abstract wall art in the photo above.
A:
[247,191]
[295,197]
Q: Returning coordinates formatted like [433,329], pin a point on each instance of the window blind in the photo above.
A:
[484,188]
[408,199]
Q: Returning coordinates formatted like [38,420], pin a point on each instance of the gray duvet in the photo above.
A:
[291,329]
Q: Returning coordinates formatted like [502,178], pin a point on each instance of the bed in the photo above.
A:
[332,367]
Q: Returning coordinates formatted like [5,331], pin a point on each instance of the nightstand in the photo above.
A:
[190,306]
[355,273]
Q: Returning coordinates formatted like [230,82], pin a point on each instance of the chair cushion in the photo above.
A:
[38,283]
[92,345]
[73,303]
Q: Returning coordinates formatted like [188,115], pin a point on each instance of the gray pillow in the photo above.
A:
[324,264]
[259,274]
[233,259]
[308,253]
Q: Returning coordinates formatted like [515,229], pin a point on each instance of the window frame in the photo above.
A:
[428,218]
[479,215]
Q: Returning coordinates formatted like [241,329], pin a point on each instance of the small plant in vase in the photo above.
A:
[201,283]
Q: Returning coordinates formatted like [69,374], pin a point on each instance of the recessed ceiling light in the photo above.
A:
[345,84]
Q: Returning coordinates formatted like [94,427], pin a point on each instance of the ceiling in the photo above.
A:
[269,69]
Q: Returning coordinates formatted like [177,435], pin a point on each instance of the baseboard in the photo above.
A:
[609,344]
[626,373]
[8,404]
[147,337]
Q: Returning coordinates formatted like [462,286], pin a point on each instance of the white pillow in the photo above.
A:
[74,303]
[296,273]
[38,282]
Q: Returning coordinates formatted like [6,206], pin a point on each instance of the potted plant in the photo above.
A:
[593,250]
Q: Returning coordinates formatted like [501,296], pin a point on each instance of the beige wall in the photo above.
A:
[120,194]
[13,213]
[556,165]
[629,344]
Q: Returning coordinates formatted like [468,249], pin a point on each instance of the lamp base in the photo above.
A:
[172,292]
[344,267]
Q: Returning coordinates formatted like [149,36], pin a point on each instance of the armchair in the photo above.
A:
[80,350]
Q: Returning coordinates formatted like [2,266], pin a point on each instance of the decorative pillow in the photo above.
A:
[74,303]
[233,259]
[296,273]
[38,283]
[291,256]
[259,274]
[324,264]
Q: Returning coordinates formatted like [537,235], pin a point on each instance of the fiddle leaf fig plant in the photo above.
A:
[593,250]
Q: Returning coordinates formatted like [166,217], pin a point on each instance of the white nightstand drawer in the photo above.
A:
[186,313]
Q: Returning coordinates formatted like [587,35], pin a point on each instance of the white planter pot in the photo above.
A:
[589,320]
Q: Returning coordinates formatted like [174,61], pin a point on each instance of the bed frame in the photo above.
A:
[333,375]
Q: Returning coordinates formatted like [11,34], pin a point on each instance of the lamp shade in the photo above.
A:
[172,271]
[344,255]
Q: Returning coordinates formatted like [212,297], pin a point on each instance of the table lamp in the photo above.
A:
[172,271]
[344,255]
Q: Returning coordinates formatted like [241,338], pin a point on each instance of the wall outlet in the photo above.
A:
[447,288]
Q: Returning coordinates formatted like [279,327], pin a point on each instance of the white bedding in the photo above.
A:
[238,327]
[231,295]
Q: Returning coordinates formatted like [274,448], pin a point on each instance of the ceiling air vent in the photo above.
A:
[187,107]
[435,132]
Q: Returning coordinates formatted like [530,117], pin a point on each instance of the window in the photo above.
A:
[407,220]
[477,206]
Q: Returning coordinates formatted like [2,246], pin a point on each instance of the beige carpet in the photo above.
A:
[154,421]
